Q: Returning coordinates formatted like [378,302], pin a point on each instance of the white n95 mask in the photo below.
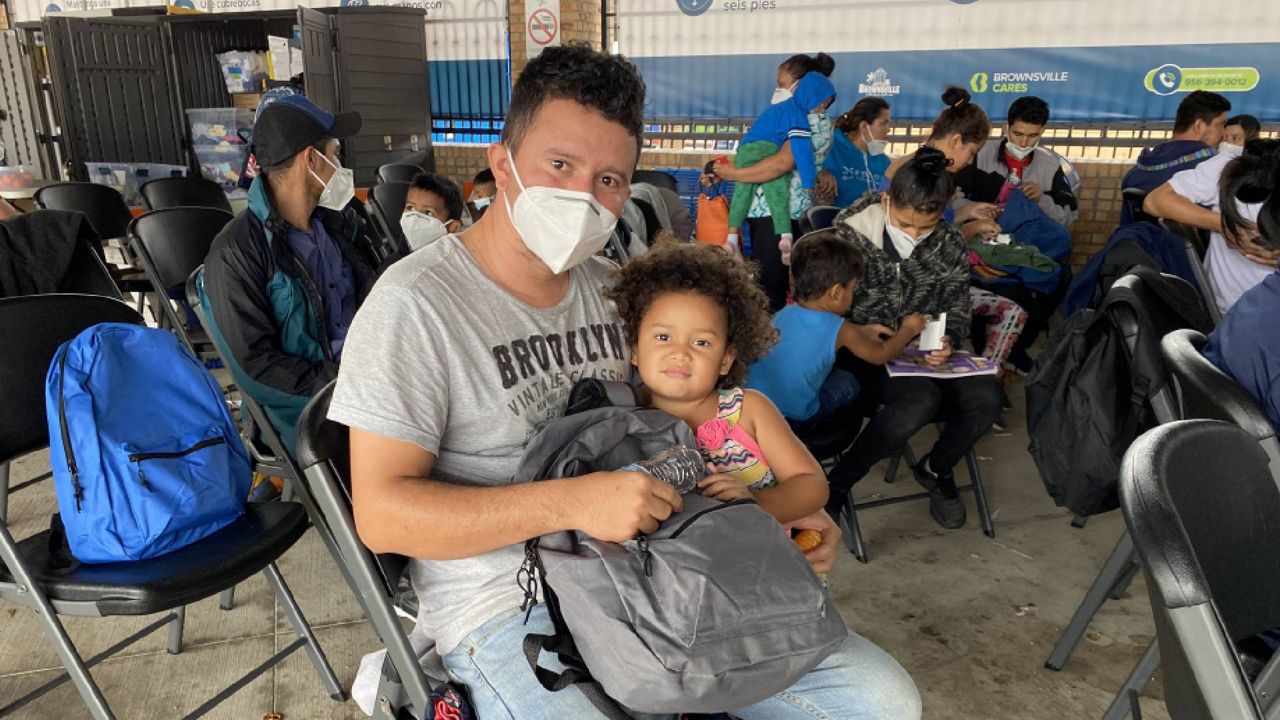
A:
[420,229]
[340,188]
[562,227]
[1019,152]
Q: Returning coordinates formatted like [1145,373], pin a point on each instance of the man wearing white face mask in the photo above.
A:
[1017,161]
[465,348]
[283,280]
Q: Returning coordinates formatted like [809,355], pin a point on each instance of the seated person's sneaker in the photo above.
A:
[945,504]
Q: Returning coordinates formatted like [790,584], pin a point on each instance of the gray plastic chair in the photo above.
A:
[324,455]
[1202,508]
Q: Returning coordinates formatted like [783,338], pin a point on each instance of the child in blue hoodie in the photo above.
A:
[787,120]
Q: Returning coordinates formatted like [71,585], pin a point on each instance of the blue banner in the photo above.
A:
[1083,84]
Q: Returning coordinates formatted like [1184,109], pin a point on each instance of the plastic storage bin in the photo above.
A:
[16,177]
[222,163]
[215,126]
[128,178]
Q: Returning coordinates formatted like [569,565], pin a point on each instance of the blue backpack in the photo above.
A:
[146,458]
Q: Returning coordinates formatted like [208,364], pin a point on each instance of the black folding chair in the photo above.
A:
[33,328]
[397,172]
[1196,244]
[164,193]
[256,428]
[387,202]
[1133,199]
[1203,509]
[830,440]
[821,217]
[323,453]
[849,519]
[656,178]
[1144,306]
[1202,391]
[171,244]
[106,211]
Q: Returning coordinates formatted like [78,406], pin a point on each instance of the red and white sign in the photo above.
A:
[542,26]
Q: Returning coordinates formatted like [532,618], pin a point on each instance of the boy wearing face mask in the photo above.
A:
[282,281]
[432,209]
[1018,162]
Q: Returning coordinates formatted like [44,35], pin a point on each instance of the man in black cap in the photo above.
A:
[283,280]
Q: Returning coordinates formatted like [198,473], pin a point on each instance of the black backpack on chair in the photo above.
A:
[1091,390]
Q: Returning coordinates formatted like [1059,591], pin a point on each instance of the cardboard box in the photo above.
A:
[248,101]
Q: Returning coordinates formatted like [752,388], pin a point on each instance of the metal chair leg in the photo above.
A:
[852,532]
[1122,584]
[1135,683]
[84,683]
[891,472]
[980,494]
[4,491]
[303,630]
[179,616]
[1114,568]
[227,598]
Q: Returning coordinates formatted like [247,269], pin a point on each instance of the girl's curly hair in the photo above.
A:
[712,273]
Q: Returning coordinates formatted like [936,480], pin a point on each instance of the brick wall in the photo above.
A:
[579,22]
[460,163]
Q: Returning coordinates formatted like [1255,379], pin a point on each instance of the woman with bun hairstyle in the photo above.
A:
[766,244]
[916,263]
[959,132]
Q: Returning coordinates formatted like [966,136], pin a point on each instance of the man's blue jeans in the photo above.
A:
[857,682]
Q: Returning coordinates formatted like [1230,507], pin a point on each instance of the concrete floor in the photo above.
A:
[972,619]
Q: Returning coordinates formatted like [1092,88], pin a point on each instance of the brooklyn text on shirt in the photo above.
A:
[539,370]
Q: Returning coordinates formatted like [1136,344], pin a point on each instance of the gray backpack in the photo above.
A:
[715,611]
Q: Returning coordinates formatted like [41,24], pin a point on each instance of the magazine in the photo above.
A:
[961,364]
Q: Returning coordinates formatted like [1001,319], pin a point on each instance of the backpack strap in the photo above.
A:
[561,643]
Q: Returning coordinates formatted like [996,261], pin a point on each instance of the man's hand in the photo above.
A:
[1259,253]
[826,184]
[1033,191]
[617,506]
[724,488]
[938,357]
[823,557]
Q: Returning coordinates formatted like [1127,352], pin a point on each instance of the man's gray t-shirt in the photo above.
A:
[441,357]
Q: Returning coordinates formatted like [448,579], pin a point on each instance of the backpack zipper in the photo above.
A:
[169,455]
[77,491]
[689,520]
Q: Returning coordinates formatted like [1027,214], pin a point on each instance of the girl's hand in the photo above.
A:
[724,488]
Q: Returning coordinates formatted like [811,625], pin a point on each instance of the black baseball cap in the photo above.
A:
[288,125]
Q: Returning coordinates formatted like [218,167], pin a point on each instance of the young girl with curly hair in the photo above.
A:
[695,320]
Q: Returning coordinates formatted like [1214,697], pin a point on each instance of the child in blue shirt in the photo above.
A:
[799,373]
[781,122]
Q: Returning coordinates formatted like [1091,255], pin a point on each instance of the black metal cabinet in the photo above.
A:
[121,85]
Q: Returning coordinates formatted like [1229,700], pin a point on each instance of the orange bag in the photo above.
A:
[713,219]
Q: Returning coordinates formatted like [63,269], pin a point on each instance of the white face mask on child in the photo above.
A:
[420,229]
